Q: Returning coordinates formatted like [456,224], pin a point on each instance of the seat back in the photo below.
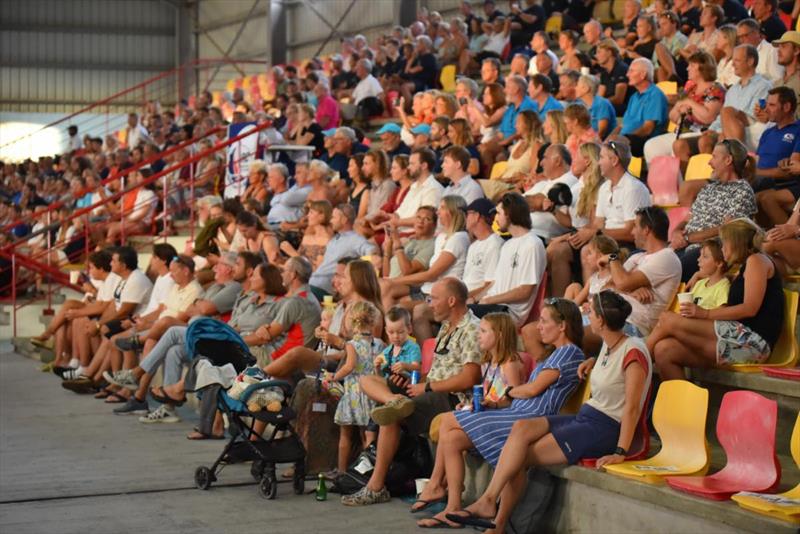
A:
[786,351]
[663,179]
[578,397]
[698,167]
[668,88]
[635,167]
[498,169]
[794,441]
[536,309]
[553,24]
[528,364]
[746,428]
[427,354]
[676,216]
[448,78]
[675,306]
[679,417]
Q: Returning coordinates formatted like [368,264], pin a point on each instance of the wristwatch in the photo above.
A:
[613,257]
[508,392]
[428,388]
[620,451]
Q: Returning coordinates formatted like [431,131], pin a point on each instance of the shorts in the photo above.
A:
[415,293]
[737,343]
[114,328]
[426,407]
[589,434]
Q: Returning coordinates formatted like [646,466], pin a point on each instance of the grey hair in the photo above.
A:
[301,267]
[319,165]
[281,168]
[752,53]
[563,153]
[367,64]
[425,39]
[471,84]
[324,84]
[519,80]
[647,64]
[591,81]
[752,24]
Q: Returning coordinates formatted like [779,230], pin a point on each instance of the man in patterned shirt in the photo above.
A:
[456,368]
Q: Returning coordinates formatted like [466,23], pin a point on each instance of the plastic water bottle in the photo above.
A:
[322,489]
[477,398]
[415,377]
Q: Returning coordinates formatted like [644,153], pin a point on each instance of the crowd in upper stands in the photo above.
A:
[447,208]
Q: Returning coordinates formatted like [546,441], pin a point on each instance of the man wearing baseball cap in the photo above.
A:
[789,58]
[391,141]
[422,135]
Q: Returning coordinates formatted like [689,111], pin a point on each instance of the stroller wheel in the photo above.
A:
[203,477]
[268,488]
[257,469]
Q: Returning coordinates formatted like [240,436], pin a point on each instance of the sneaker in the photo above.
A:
[81,385]
[133,407]
[128,344]
[366,496]
[123,378]
[393,411]
[71,374]
[160,415]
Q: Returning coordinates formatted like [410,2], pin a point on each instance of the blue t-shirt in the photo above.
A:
[509,122]
[642,107]
[549,104]
[603,109]
[409,353]
[777,144]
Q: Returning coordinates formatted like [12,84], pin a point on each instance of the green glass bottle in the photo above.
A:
[322,490]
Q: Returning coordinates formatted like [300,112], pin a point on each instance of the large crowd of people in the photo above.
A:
[406,232]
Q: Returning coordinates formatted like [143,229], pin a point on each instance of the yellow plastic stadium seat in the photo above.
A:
[553,24]
[675,306]
[498,169]
[671,127]
[578,397]
[786,351]
[679,417]
[635,167]
[448,78]
[668,88]
[785,506]
[698,168]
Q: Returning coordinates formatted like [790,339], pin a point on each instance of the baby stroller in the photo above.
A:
[221,344]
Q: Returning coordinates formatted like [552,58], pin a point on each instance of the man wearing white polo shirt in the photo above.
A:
[424,191]
[455,162]
[556,165]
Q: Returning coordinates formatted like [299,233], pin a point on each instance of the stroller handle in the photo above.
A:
[285,386]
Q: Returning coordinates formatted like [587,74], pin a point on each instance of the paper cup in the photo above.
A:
[585,71]
[74,276]
[685,298]
[421,483]
[327,300]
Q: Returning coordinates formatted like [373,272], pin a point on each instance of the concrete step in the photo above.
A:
[785,392]
[587,500]
[23,346]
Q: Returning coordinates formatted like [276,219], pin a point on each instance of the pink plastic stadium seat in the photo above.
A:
[427,354]
[746,430]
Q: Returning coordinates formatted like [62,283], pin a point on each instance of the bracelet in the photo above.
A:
[620,451]
[508,392]
[428,388]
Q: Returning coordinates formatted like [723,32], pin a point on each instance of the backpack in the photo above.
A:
[413,460]
[529,513]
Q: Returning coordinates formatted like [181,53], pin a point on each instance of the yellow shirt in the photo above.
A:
[710,297]
[178,300]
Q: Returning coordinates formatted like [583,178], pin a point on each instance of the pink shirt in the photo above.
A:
[327,113]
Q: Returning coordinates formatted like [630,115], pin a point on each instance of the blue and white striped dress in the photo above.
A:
[489,429]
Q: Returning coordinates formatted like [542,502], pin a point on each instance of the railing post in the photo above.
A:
[191,200]
[14,291]
[122,212]
[49,241]
[165,209]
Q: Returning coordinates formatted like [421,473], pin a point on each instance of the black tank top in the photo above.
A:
[768,321]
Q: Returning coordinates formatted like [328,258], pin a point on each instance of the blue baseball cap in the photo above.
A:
[423,129]
[329,132]
[389,127]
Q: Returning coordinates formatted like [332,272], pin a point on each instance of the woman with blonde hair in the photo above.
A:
[723,52]
[449,253]
[523,155]
[317,235]
[744,331]
[549,385]
[445,104]
[555,130]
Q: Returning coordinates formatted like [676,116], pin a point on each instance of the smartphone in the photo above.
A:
[762,103]
[462,101]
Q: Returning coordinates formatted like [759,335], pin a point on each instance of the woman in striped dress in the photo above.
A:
[549,386]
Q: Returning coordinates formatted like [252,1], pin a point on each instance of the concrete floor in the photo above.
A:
[68,465]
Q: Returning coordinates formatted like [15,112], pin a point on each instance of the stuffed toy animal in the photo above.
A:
[270,399]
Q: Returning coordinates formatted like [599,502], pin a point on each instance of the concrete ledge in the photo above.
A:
[752,381]
[579,500]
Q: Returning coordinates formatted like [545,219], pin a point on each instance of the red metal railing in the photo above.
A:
[53,274]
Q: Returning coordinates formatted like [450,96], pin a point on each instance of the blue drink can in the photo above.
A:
[477,398]
[415,377]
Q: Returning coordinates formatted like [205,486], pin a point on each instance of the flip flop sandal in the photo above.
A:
[114,398]
[471,520]
[199,436]
[426,504]
[166,399]
[103,394]
[440,524]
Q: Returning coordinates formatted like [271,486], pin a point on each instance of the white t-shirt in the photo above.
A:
[545,223]
[522,262]
[457,245]
[577,220]
[180,298]
[426,193]
[158,295]
[467,188]
[619,205]
[663,270]
[482,258]
[496,43]
[145,206]
[105,289]
[367,87]
[136,288]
